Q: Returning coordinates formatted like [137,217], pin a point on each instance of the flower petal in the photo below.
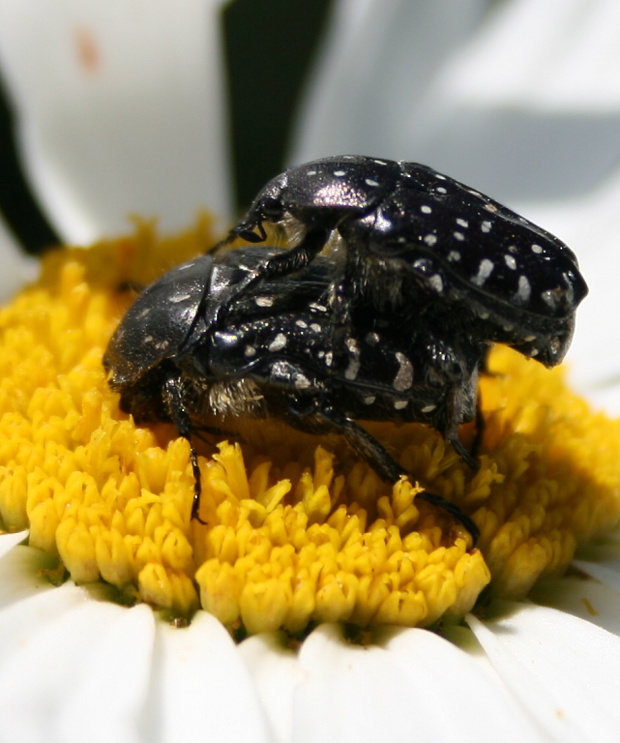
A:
[120,110]
[277,674]
[16,267]
[595,602]
[22,570]
[378,60]
[562,669]
[73,665]
[412,684]
[201,686]
[8,542]
[76,664]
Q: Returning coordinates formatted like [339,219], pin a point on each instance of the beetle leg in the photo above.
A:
[451,427]
[479,432]
[386,467]
[280,264]
[172,394]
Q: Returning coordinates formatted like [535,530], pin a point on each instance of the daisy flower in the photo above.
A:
[301,611]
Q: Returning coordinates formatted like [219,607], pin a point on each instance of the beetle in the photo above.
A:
[414,237]
[272,358]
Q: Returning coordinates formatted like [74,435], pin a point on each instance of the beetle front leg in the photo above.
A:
[172,394]
[281,264]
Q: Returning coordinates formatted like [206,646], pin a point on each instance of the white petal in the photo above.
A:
[21,570]
[413,685]
[109,699]
[17,267]
[598,603]
[562,669]
[379,59]
[120,109]
[201,688]
[75,666]
[55,678]
[276,673]
[9,541]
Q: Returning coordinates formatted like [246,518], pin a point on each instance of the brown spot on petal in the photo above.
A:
[87,49]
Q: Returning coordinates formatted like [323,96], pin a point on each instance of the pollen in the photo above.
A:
[297,530]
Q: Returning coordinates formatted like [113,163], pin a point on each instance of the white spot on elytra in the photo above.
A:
[486,226]
[278,343]
[401,404]
[425,209]
[550,299]
[340,173]
[177,298]
[370,182]
[524,290]
[454,255]
[430,239]
[462,222]
[249,351]
[536,249]
[301,382]
[441,189]
[428,408]
[510,262]
[264,301]
[369,400]
[485,269]
[301,324]
[458,236]
[436,282]
[146,311]
[404,376]
[315,327]
[310,172]
[354,360]
[372,339]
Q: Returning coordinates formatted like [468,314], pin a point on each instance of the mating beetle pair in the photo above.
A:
[272,358]
[433,272]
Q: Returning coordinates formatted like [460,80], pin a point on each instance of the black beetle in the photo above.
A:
[415,237]
[273,359]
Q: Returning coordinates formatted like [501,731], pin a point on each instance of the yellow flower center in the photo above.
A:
[298,532]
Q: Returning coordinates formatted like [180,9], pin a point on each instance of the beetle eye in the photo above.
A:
[272,209]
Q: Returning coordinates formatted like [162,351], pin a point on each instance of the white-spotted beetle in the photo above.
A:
[413,236]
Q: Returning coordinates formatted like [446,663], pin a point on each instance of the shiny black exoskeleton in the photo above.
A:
[413,238]
[273,358]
